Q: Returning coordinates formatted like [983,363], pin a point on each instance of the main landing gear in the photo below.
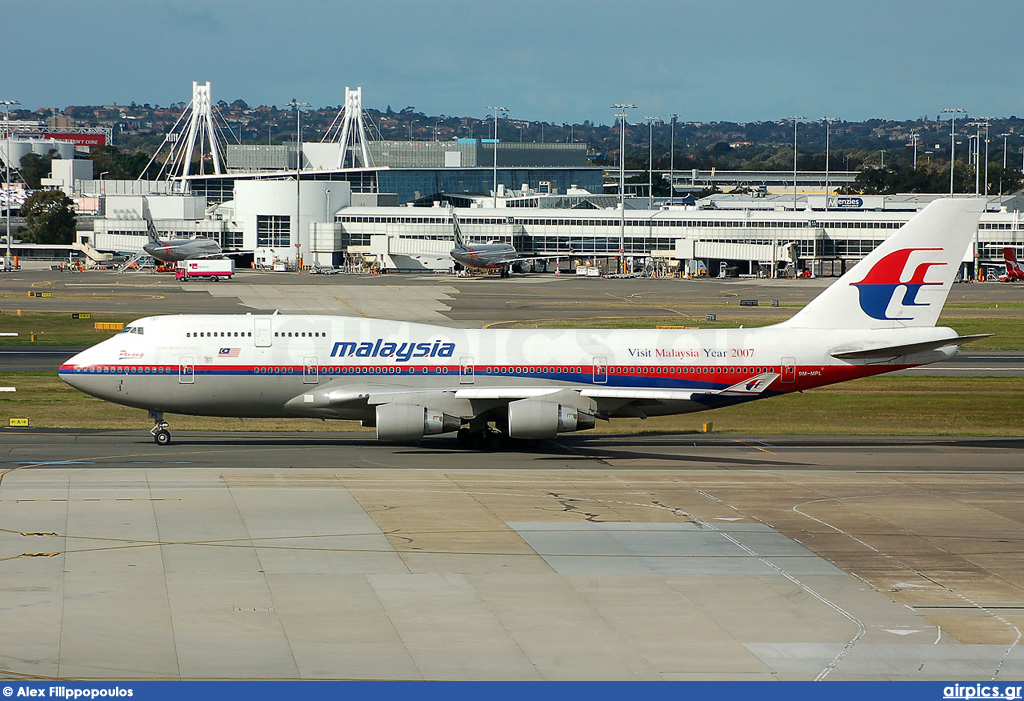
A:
[160,433]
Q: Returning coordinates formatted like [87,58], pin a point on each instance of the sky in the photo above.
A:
[552,60]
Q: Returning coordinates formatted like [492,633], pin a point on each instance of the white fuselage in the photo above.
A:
[283,365]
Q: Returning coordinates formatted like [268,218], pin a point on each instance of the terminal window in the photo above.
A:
[273,230]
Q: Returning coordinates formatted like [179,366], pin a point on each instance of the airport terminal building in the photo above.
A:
[339,227]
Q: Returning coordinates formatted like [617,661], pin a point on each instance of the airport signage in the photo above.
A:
[19,423]
[81,316]
[846,202]
[76,139]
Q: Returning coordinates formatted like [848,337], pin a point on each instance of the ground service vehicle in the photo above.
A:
[212,269]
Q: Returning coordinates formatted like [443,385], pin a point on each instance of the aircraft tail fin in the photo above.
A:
[904,281]
[460,241]
[150,226]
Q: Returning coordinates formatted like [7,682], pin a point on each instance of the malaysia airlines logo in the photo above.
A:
[879,286]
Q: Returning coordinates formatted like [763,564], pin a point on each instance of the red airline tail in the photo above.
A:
[1013,268]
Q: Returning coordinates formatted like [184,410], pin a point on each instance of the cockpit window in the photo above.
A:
[133,329]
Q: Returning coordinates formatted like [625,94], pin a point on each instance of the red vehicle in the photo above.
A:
[212,269]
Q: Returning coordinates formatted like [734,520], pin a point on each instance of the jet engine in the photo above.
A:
[530,418]
[409,422]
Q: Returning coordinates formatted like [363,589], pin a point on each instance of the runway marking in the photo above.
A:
[907,567]
[756,446]
[353,308]
[861,628]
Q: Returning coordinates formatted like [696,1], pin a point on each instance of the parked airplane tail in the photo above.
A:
[904,282]
[150,226]
[1014,271]
[460,241]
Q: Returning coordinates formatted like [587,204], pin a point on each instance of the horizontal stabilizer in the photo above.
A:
[755,385]
[904,349]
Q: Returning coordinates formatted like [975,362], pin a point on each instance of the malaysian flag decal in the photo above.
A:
[229,352]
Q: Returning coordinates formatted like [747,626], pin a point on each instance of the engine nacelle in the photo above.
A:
[530,418]
[410,422]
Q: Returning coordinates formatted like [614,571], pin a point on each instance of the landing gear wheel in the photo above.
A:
[160,433]
[494,441]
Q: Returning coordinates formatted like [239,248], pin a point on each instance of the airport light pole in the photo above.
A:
[298,179]
[976,139]
[828,123]
[796,120]
[622,114]
[650,159]
[1004,135]
[495,146]
[914,139]
[672,162]
[987,124]
[7,166]
[953,111]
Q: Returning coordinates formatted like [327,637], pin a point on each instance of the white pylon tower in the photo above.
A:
[349,130]
[194,139]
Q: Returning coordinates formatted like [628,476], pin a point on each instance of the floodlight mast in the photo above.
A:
[651,121]
[7,167]
[496,109]
[953,111]
[672,162]
[796,120]
[298,180]
[829,121]
[622,114]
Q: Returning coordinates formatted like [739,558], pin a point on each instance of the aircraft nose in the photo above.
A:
[71,370]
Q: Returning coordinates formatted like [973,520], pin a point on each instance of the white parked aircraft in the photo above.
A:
[412,380]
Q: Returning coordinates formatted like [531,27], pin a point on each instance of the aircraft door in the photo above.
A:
[261,333]
[467,375]
[186,370]
[788,371]
[600,370]
[310,371]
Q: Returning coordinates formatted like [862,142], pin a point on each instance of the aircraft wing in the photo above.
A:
[883,352]
[467,402]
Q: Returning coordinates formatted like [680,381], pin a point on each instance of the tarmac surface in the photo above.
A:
[444,299]
[633,557]
[330,556]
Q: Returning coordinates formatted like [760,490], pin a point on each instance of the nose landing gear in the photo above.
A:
[160,433]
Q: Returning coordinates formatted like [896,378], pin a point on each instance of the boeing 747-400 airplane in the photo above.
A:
[414,380]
